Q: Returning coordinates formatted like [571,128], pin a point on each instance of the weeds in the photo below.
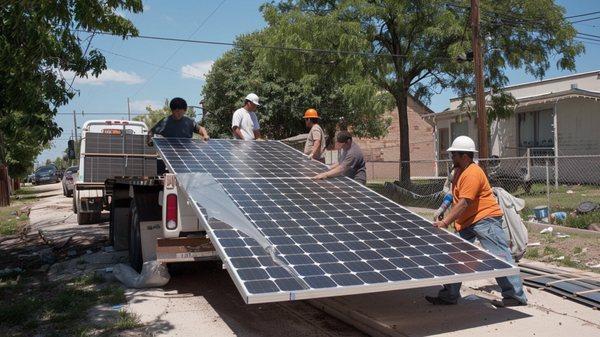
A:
[28,305]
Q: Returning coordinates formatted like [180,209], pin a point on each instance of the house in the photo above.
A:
[383,154]
[556,116]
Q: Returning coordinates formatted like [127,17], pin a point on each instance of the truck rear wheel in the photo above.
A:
[135,239]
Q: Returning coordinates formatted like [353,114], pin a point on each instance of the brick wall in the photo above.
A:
[383,154]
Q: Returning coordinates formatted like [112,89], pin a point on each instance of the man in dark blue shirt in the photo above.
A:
[177,125]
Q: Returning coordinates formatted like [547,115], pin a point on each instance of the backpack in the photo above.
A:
[512,224]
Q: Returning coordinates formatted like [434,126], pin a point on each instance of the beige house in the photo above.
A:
[557,116]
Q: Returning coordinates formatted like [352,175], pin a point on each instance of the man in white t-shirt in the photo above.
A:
[244,123]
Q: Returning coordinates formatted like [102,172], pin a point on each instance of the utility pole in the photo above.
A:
[128,110]
[75,125]
[482,134]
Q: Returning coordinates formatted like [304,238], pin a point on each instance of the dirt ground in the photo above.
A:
[201,299]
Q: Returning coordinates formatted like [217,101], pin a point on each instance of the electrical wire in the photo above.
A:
[178,49]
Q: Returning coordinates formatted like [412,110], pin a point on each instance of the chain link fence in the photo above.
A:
[560,183]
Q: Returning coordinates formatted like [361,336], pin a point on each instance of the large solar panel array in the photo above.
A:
[333,237]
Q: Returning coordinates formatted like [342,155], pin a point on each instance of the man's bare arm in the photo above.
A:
[202,132]
[333,172]
[454,213]
[257,134]
[237,133]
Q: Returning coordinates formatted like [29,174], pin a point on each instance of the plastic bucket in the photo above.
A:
[540,212]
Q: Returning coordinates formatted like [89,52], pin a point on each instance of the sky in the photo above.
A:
[149,72]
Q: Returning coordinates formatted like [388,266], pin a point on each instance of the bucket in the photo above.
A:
[540,212]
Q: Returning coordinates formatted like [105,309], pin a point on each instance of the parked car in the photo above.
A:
[68,180]
[46,175]
[30,178]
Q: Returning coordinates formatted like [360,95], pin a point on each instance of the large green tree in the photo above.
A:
[332,85]
[40,43]
[414,44]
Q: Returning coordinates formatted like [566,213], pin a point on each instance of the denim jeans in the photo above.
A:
[493,239]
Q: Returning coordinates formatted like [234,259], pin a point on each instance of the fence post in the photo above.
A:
[556,171]
[548,186]
[527,154]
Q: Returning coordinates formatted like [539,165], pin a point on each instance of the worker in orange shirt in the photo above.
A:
[477,215]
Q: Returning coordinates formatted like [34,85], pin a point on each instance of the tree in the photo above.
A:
[414,44]
[335,89]
[40,44]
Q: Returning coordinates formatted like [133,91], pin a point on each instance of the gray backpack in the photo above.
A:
[513,225]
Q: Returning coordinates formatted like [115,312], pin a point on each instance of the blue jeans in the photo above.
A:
[493,239]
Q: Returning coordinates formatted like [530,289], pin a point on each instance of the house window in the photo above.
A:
[536,131]
[459,129]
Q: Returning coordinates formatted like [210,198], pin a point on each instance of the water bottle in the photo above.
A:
[445,204]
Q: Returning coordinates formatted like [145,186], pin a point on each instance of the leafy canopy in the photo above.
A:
[41,45]
[415,43]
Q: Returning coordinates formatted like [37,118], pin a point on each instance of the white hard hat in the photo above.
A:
[463,144]
[252,97]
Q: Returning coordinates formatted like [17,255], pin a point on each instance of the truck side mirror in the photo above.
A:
[71,149]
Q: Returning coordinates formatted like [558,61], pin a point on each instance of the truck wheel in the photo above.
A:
[69,193]
[84,218]
[74,204]
[135,239]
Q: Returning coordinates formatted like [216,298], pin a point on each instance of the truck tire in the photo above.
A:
[69,193]
[84,218]
[135,239]
[74,204]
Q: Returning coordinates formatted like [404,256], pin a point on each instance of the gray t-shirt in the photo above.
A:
[355,164]
[169,127]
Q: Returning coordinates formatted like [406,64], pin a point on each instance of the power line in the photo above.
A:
[178,49]
[584,20]
[146,62]
[580,15]
[253,45]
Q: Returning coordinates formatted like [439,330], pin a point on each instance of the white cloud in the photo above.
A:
[140,105]
[108,75]
[196,70]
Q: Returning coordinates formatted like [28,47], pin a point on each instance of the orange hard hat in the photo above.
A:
[311,113]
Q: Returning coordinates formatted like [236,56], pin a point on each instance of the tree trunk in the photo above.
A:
[402,104]
[16,184]
[4,186]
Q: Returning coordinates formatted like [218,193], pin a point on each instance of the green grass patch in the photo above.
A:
[583,221]
[126,321]
[551,251]
[532,253]
[577,250]
[26,191]
[31,305]
[10,223]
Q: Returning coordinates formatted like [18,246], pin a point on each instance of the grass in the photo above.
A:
[10,223]
[126,321]
[30,304]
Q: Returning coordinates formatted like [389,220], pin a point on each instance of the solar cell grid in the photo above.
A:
[333,237]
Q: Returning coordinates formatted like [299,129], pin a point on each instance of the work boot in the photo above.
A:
[507,302]
[438,301]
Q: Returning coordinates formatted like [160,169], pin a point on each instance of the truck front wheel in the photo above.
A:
[135,239]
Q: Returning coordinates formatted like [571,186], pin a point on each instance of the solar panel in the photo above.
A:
[332,237]
[235,158]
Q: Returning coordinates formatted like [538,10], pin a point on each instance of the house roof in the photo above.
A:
[549,97]
[549,80]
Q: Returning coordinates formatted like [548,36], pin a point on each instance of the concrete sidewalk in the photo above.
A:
[406,313]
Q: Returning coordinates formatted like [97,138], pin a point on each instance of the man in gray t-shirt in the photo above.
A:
[352,164]
[177,125]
